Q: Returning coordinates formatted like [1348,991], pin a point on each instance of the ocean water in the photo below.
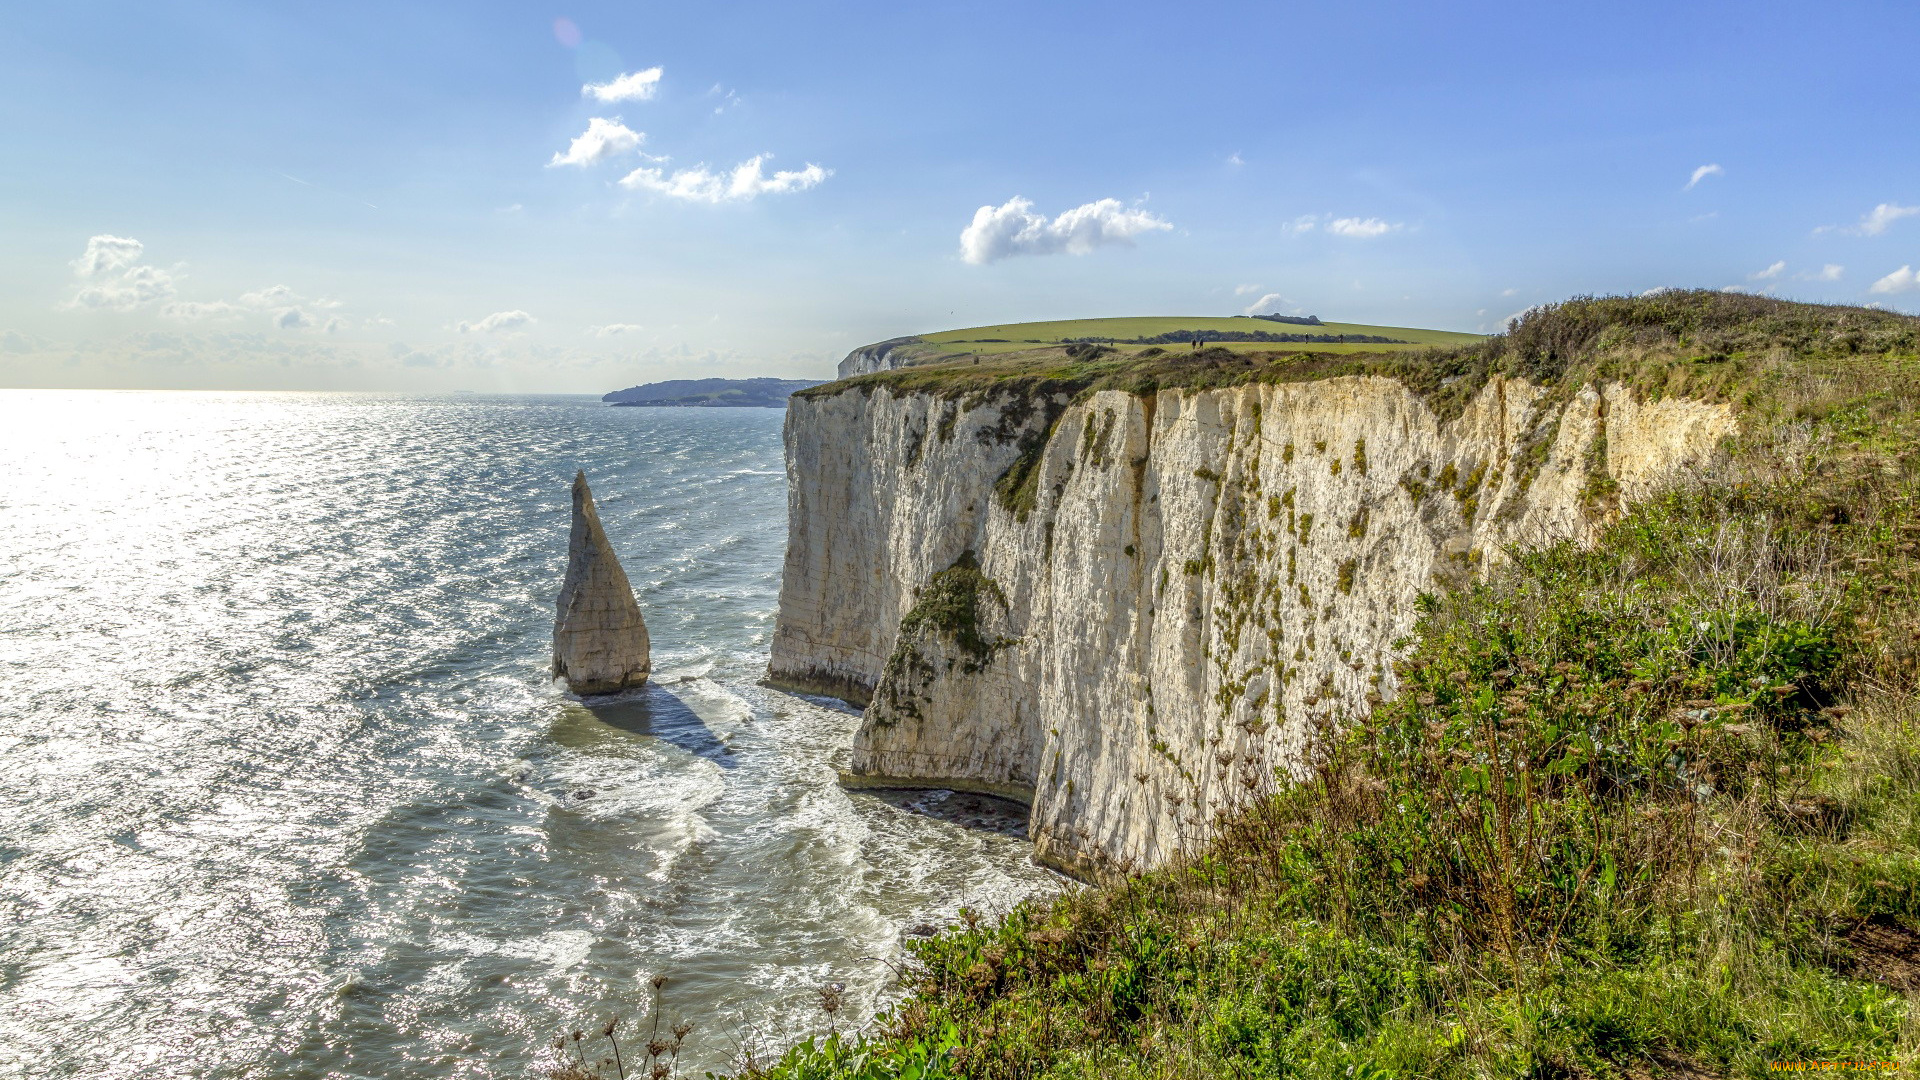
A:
[285,790]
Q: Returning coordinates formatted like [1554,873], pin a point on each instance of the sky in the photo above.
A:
[524,198]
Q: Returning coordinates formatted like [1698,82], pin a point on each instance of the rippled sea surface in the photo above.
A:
[285,790]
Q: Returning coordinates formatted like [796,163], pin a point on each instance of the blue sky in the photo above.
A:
[362,196]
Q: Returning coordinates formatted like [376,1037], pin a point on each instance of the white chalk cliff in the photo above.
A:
[600,641]
[1184,587]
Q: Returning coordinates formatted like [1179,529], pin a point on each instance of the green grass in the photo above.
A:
[1627,817]
[1025,335]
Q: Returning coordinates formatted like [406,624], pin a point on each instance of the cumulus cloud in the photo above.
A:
[745,181]
[1244,290]
[614,329]
[1520,316]
[1353,228]
[1771,272]
[114,279]
[499,322]
[633,86]
[134,287]
[272,296]
[603,139]
[106,254]
[1702,173]
[1901,280]
[13,341]
[1829,272]
[1877,219]
[284,308]
[197,310]
[1012,228]
[1360,228]
[1271,304]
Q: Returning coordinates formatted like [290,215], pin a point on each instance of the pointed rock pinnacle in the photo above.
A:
[599,639]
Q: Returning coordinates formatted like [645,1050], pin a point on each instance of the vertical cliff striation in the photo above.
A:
[1129,610]
[600,641]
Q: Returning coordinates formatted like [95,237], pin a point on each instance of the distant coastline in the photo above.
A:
[712,393]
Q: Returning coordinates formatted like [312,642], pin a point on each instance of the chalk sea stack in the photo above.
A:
[599,639]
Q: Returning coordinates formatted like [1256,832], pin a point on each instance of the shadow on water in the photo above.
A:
[966,809]
[654,711]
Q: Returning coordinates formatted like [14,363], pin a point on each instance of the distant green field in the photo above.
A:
[1014,337]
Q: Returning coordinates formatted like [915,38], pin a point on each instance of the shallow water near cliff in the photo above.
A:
[284,788]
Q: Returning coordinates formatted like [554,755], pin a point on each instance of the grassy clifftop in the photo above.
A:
[1711,345]
[1647,808]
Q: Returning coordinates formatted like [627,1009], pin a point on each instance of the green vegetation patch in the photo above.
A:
[951,604]
[1699,344]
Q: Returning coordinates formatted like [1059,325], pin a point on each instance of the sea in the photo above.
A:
[286,790]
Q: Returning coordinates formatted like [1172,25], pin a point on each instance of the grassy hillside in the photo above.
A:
[1650,808]
[1008,339]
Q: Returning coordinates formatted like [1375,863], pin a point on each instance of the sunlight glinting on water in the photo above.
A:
[287,792]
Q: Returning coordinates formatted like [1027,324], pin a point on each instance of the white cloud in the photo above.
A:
[1271,304]
[1702,173]
[114,279]
[1900,280]
[273,296]
[1243,290]
[603,139]
[614,329]
[499,322]
[1012,228]
[1829,272]
[1235,159]
[1353,228]
[1360,228]
[1877,220]
[1770,272]
[195,310]
[1660,289]
[747,180]
[284,308]
[1509,292]
[106,254]
[633,86]
[132,288]
[1517,316]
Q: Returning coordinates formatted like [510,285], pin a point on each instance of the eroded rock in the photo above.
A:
[599,639]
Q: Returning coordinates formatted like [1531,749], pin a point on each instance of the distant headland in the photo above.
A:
[711,393]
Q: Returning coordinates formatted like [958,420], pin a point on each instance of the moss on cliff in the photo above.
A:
[952,604]
[1650,807]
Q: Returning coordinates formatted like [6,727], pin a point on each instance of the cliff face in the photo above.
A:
[1166,596]
[884,356]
